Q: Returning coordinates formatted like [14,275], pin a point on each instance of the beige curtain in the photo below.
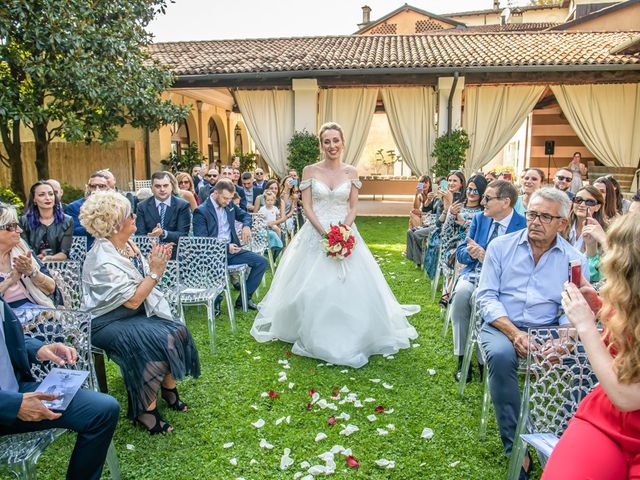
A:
[353,109]
[606,118]
[492,115]
[268,115]
[411,114]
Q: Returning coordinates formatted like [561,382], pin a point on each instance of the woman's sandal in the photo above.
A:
[159,425]
[170,395]
[444,300]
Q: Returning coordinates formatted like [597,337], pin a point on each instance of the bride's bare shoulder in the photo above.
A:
[350,171]
[310,170]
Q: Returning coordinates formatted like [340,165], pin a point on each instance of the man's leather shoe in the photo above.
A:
[250,304]
[216,310]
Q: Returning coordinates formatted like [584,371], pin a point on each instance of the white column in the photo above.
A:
[444,90]
[305,98]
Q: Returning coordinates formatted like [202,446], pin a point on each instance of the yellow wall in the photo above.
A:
[555,15]
[622,20]
[405,22]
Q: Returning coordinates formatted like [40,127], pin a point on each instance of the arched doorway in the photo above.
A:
[214,142]
[180,138]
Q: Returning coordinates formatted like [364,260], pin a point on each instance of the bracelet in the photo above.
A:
[34,273]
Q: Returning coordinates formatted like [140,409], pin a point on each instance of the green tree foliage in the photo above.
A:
[9,197]
[303,149]
[188,158]
[78,70]
[247,160]
[449,151]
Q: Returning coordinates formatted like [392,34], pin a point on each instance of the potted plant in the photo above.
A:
[303,149]
[449,151]
[188,158]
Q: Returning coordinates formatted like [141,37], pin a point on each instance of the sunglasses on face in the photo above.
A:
[97,186]
[473,191]
[589,202]
[562,178]
[531,178]
[259,174]
[10,227]
[488,198]
[544,217]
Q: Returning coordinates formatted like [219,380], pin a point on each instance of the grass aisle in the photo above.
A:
[228,397]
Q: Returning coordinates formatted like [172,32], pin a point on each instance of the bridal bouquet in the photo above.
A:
[339,241]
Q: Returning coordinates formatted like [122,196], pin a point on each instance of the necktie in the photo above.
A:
[494,233]
[163,211]
[8,381]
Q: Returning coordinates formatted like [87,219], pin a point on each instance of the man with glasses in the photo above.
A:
[563,180]
[98,182]
[229,173]
[498,218]
[260,179]
[210,179]
[521,283]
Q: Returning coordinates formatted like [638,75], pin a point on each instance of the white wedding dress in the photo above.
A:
[339,313]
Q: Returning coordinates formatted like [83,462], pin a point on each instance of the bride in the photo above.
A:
[339,313]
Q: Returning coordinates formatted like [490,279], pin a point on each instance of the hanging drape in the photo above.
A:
[411,114]
[268,115]
[353,109]
[606,118]
[492,115]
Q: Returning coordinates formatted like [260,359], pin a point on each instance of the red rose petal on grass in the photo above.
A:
[334,388]
[379,409]
[273,394]
[331,421]
[352,462]
[335,395]
[309,406]
[287,354]
[311,391]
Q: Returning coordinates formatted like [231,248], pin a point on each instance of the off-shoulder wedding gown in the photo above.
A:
[341,314]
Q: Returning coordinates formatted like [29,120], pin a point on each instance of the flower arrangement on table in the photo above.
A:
[339,241]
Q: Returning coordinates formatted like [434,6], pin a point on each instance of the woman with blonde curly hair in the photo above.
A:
[131,319]
[603,439]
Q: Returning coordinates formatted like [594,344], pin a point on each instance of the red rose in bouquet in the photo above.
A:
[339,241]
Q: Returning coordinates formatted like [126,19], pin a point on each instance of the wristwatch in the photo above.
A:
[34,273]
[154,277]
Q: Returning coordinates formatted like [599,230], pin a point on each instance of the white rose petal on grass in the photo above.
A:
[357,403]
[415,345]
[315,397]
[349,429]
[254,406]
[388,386]
[304,465]
[297,475]
[291,384]
[343,416]
[288,419]
[382,432]
[344,371]
[280,420]
[264,394]
[369,400]
[317,470]
[286,366]
[258,423]
[283,362]
[307,477]
[384,463]
[337,449]
[391,426]
[344,389]
[375,380]
[390,357]
[320,436]
[228,445]
[248,352]
[130,447]
[454,464]
[431,372]
[253,461]
[286,461]
[372,418]
[427,433]
[326,456]
[346,452]
[257,357]
[233,461]
[389,412]
[265,444]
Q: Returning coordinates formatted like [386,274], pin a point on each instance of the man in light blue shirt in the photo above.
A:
[521,283]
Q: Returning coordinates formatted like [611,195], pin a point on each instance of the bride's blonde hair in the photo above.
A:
[330,126]
[621,297]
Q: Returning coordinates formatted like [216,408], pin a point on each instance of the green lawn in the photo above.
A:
[226,399]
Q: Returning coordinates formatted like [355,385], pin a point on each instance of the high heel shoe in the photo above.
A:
[158,426]
[171,396]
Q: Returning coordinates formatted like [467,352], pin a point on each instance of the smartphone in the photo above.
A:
[421,186]
[575,272]
[457,197]
[444,184]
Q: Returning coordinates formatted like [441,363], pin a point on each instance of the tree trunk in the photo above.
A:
[11,140]
[42,150]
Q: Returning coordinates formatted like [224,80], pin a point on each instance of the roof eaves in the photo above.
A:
[406,6]
[596,14]
[564,4]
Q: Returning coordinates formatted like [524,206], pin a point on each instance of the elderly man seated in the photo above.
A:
[498,218]
[521,283]
[93,415]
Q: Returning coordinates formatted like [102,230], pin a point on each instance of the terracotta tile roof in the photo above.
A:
[509,27]
[460,50]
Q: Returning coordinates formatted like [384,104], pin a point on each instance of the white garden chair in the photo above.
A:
[68,277]
[78,250]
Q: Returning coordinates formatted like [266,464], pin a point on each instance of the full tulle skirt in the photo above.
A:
[339,311]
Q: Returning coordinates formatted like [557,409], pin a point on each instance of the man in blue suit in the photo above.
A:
[216,218]
[98,182]
[498,218]
[250,191]
[163,216]
[91,414]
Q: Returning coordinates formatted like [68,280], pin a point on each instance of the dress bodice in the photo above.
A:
[330,205]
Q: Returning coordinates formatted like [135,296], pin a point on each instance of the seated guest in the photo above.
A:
[91,414]
[210,179]
[609,207]
[45,227]
[163,216]
[57,188]
[532,180]
[97,183]
[216,218]
[235,175]
[491,176]
[131,319]
[229,173]
[521,283]
[272,185]
[250,191]
[602,441]
[111,181]
[562,181]
[185,183]
[498,218]
[177,192]
[24,282]
[274,219]
[260,180]
[587,203]
[635,203]
[622,204]
[196,177]
[422,202]
[143,193]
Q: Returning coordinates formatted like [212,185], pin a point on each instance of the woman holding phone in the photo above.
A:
[603,439]
[422,202]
